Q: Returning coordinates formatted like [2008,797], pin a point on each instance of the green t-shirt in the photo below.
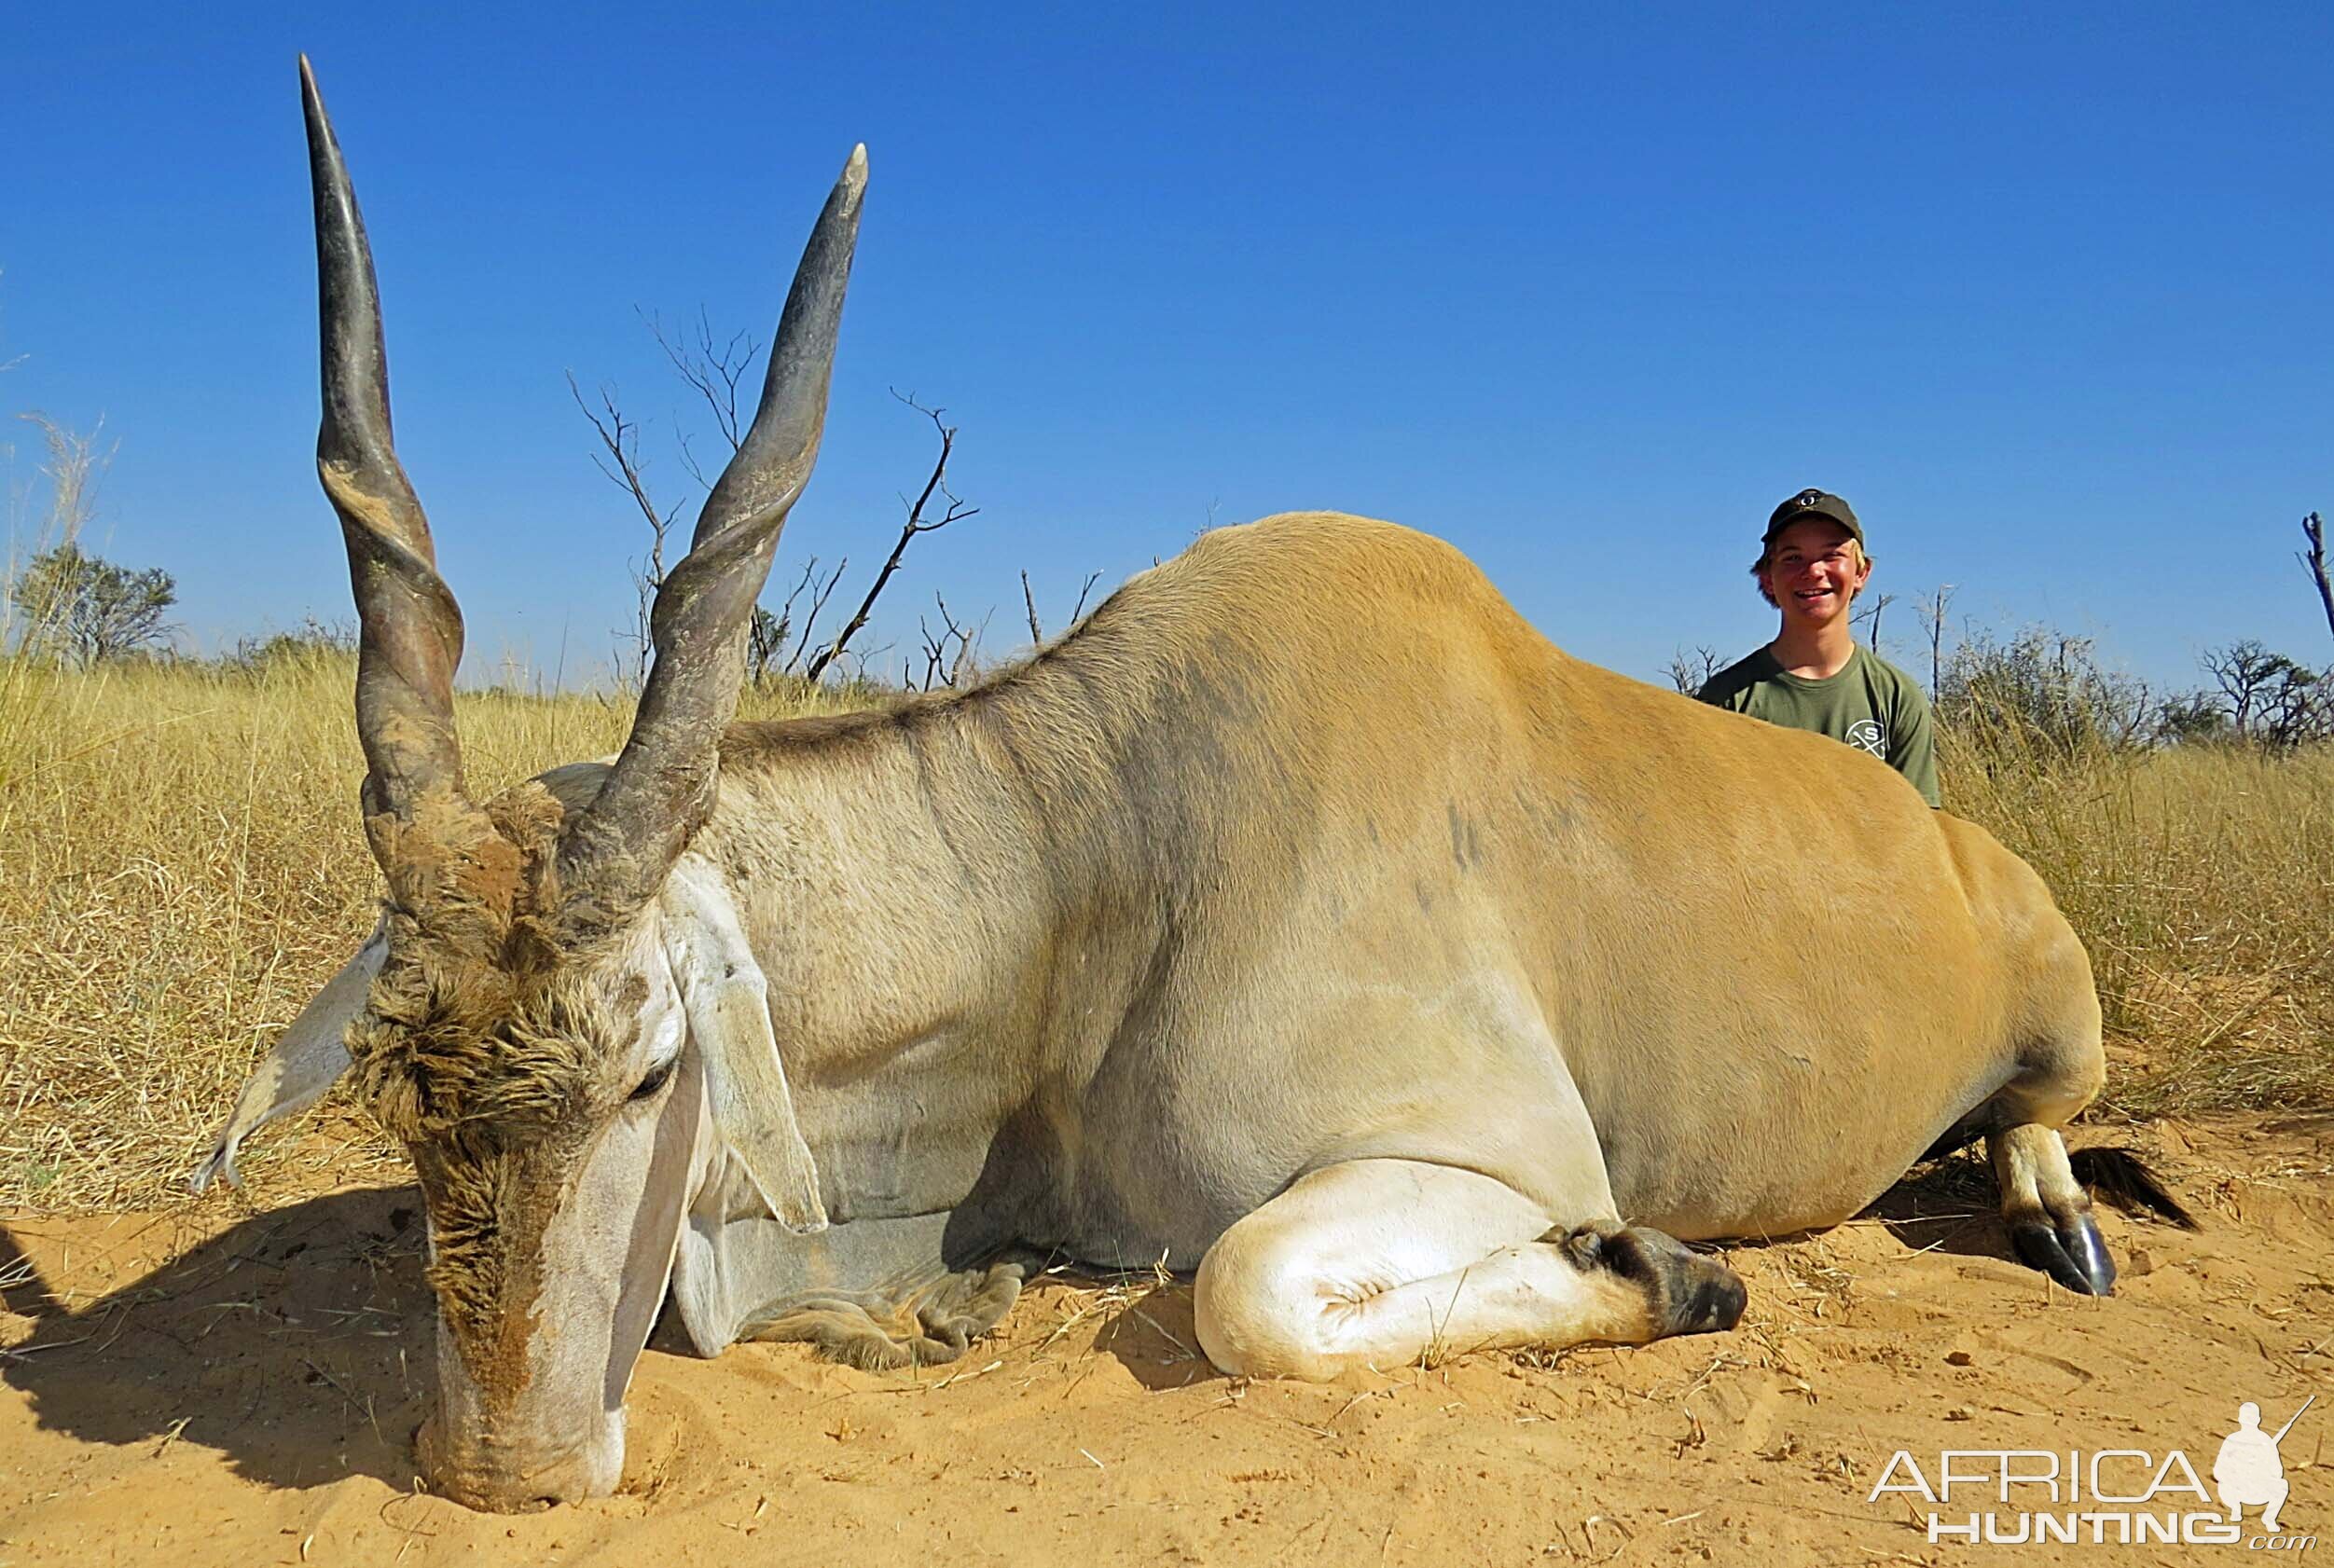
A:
[1871,704]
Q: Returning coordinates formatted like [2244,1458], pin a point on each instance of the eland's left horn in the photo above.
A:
[662,786]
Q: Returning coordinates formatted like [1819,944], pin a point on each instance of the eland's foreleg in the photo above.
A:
[1383,1264]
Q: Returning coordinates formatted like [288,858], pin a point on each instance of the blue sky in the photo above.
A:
[2044,291]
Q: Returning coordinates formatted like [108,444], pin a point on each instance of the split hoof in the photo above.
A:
[1687,1292]
[2074,1255]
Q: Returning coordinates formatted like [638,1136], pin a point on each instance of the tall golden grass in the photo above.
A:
[181,866]
[2202,880]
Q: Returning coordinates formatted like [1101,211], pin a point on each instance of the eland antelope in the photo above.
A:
[1421,989]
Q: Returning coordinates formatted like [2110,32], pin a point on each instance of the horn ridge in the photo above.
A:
[661,788]
[411,638]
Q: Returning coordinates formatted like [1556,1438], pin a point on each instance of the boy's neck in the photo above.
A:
[1815,653]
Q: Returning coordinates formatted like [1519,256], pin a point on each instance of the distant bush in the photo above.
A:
[2263,697]
[2040,690]
[89,610]
[309,641]
[2043,693]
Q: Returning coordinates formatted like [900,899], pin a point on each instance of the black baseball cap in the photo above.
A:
[1812,503]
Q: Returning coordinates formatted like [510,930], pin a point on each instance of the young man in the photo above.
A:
[1814,676]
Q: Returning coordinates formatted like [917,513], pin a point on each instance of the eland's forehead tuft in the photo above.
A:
[446,1044]
[505,996]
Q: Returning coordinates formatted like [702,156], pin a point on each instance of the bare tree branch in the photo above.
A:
[1932,610]
[1079,608]
[619,459]
[714,371]
[2313,560]
[935,648]
[954,511]
[620,445]
[1869,615]
[967,662]
[817,605]
[1037,636]
[718,370]
[948,657]
[1690,672]
[781,625]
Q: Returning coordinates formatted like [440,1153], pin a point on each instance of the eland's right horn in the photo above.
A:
[412,630]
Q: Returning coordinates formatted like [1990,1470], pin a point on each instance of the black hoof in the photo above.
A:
[1689,1293]
[2076,1257]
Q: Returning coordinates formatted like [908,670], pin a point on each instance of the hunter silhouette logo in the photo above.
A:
[2248,1472]
[2109,1496]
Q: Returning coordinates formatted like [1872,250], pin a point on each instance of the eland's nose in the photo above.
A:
[495,1479]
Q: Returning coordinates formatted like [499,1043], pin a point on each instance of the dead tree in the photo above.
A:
[1690,672]
[1932,611]
[2313,561]
[766,654]
[715,372]
[949,656]
[716,369]
[953,511]
[1083,589]
[1869,615]
[619,459]
[1037,634]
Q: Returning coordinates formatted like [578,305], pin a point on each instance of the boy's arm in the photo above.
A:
[1912,743]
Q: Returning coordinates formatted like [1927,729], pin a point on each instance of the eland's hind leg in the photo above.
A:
[2046,1209]
[1382,1262]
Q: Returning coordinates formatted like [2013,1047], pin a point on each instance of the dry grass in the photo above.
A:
[181,865]
[2202,879]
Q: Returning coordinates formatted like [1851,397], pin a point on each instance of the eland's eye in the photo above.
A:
[658,1077]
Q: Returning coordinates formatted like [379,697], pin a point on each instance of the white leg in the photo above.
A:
[1377,1262]
[2046,1209]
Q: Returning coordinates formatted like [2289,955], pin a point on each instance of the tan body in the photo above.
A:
[1306,848]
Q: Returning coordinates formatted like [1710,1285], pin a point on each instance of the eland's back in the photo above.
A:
[1429,875]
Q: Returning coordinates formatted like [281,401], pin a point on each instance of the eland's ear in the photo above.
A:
[728,1003]
[308,1058]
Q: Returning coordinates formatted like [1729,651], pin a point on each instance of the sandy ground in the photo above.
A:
[238,1385]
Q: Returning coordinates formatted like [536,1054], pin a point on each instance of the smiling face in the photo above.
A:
[1812,572]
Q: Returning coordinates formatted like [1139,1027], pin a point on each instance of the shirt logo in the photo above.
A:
[1866,735]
